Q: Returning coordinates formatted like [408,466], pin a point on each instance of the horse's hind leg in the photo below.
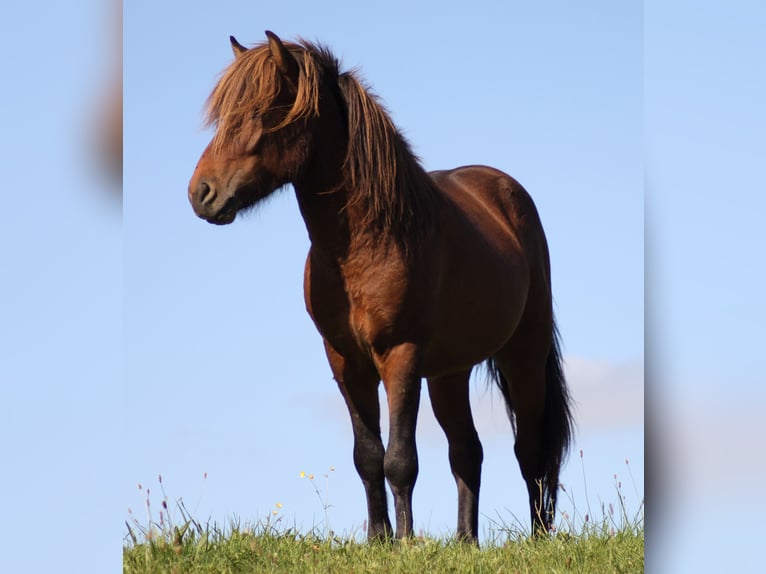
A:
[449,399]
[523,374]
[359,387]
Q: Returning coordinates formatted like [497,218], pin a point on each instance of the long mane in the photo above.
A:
[382,175]
[382,172]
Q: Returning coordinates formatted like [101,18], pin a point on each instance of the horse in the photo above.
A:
[409,275]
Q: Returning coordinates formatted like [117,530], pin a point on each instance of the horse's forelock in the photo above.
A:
[251,84]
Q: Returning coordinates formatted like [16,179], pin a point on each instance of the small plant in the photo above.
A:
[165,529]
[608,524]
[571,522]
[324,499]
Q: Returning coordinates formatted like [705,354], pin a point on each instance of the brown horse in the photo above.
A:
[410,274]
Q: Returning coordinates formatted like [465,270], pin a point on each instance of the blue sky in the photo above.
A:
[704,149]
[61,310]
[158,344]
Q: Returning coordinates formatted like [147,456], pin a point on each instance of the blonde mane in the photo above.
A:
[381,172]
[251,85]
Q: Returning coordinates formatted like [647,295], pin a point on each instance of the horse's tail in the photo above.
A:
[557,421]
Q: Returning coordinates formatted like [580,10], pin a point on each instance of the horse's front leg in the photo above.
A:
[399,370]
[359,386]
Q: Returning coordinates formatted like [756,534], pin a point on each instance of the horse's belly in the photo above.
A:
[474,324]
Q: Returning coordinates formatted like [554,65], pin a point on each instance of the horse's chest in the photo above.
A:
[369,314]
[377,309]
[365,305]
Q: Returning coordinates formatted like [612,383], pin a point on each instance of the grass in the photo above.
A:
[262,550]
[612,543]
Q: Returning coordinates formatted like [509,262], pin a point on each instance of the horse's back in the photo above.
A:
[497,205]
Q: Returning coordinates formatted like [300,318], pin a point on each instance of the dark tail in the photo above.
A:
[557,423]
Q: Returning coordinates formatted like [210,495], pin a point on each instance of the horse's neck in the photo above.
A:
[336,226]
[322,211]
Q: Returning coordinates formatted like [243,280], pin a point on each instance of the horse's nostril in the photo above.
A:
[206,193]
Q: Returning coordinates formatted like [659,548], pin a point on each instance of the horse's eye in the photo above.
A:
[255,143]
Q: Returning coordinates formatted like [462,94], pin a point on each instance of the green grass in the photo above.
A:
[242,551]
[613,543]
[195,548]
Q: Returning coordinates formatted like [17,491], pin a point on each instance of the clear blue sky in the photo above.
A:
[163,345]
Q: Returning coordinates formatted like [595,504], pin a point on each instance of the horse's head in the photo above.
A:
[266,112]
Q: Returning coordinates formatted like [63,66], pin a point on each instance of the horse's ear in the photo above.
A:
[236,47]
[284,59]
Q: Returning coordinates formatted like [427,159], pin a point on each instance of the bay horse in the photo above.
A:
[410,274]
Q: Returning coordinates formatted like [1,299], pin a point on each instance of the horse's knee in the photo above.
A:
[368,459]
[529,456]
[401,466]
[466,457]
